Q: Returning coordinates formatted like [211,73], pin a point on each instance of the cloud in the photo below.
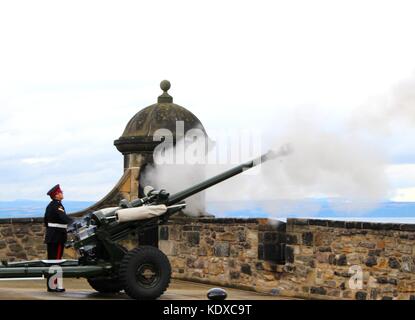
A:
[73,75]
[36,161]
[404,195]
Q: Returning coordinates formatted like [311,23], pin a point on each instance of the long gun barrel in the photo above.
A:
[163,197]
[179,196]
[104,223]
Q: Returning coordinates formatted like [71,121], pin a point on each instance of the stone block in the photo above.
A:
[193,237]
[259,266]
[192,227]
[231,263]
[318,222]
[252,236]
[270,266]
[343,274]
[371,261]
[221,249]
[246,269]
[404,248]
[341,260]
[406,286]
[31,252]
[360,295]
[318,290]
[336,224]
[330,284]
[273,252]
[168,247]
[241,235]
[322,257]
[21,229]
[385,280]
[6,232]
[380,244]
[353,225]
[36,228]
[408,264]
[291,239]
[394,263]
[216,268]
[183,248]
[15,247]
[289,268]
[175,233]
[226,236]
[307,260]
[333,292]
[354,258]
[289,254]
[200,263]
[307,238]
[367,244]
[407,227]
[302,271]
[375,252]
[20,255]
[305,250]
[202,251]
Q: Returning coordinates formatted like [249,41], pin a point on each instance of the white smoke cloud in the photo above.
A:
[327,164]
[386,113]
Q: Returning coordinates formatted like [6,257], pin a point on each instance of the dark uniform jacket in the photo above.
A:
[55,213]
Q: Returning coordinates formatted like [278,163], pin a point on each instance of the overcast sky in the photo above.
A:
[73,73]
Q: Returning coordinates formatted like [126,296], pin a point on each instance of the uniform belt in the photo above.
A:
[57,225]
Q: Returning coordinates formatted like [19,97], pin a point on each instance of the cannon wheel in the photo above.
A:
[106,285]
[145,273]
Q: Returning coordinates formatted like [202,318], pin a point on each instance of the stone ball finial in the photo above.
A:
[165,97]
[165,85]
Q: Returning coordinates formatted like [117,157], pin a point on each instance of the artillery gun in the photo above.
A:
[144,272]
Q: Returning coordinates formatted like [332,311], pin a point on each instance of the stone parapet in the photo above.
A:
[350,260]
[304,258]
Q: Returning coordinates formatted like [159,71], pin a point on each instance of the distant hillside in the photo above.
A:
[387,211]
[319,209]
[33,208]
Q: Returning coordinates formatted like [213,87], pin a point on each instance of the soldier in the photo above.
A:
[56,222]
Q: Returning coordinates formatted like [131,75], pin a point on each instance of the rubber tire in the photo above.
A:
[131,263]
[106,285]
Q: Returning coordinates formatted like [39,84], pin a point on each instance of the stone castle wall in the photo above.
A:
[318,259]
[227,252]
[22,239]
[324,259]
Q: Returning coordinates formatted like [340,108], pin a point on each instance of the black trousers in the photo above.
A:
[55,250]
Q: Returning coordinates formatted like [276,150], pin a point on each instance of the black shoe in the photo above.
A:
[56,290]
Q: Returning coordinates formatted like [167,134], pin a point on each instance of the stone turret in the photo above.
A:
[137,144]
[137,141]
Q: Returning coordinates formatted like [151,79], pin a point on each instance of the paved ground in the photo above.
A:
[80,289]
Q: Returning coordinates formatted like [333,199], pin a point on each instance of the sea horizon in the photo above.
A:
[388,211]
